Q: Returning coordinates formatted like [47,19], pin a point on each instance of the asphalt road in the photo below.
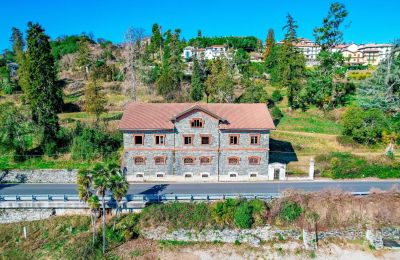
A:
[204,188]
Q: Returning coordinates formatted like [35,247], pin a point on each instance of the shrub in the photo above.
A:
[91,143]
[224,211]
[364,126]
[276,113]
[177,215]
[276,96]
[243,215]
[290,211]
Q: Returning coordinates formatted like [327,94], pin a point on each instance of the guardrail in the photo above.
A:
[149,197]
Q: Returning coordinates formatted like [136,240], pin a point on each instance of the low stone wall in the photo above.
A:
[38,176]
[254,236]
[18,215]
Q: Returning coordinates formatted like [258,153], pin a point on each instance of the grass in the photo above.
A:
[84,115]
[7,162]
[312,121]
[173,243]
[55,238]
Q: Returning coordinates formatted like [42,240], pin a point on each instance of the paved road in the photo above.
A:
[205,188]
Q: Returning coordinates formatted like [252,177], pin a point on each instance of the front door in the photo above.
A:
[276,174]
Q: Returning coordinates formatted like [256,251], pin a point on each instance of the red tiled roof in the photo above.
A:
[148,116]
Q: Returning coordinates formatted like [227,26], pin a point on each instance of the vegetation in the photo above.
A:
[249,43]
[348,166]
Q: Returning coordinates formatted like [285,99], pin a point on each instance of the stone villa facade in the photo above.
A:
[196,142]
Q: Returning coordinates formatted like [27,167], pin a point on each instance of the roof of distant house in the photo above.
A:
[152,116]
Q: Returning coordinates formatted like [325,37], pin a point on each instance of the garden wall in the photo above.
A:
[38,176]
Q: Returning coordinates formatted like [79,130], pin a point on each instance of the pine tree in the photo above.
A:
[156,40]
[171,75]
[95,101]
[327,87]
[382,90]
[220,84]
[269,43]
[18,45]
[197,88]
[291,64]
[43,94]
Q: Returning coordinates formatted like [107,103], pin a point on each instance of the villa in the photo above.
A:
[197,142]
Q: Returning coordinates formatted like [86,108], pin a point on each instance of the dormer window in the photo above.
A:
[197,123]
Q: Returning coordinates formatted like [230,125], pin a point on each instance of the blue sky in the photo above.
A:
[368,21]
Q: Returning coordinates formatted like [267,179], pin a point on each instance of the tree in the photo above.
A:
[95,101]
[84,181]
[220,83]
[104,179]
[133,56]
[242,61]
[364,126]
[171,71]
[197,87]
[156,40]
[199,33]
[254,92]
[15,130]
[84,58]
[327,87]
[382,90]
[42,92]
[18,45]
[17,41]
[330,35]
[269,43]
[291,64]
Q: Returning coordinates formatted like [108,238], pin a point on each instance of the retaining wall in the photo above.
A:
[38,176]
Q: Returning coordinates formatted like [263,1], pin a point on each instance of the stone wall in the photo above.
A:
[255,236]
[38,176]
[18,215]
[175,150]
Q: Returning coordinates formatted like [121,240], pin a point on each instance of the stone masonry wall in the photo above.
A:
[38,176]
[175,150]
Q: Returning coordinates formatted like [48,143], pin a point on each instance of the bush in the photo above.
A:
[91,143]
[177,215]
[276,113]
[243,216]
[290,211]
[276,96]
[364,126]
[224,211]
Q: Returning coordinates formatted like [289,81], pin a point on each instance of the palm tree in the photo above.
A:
[118,186]
[94,206]
[84,182]
[100,183]
[108,177]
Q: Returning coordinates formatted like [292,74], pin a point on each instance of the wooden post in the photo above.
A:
[24,231]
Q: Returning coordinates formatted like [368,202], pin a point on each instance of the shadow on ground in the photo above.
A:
[281,151]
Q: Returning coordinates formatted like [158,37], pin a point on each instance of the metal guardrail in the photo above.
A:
[149,197]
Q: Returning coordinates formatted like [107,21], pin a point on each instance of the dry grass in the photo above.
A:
[338,210]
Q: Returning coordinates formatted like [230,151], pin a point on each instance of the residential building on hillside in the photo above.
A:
[309,49]
[197,141]
[208,53]
[364,54]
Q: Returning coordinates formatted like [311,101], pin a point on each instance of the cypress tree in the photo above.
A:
[197,88]
[43,93]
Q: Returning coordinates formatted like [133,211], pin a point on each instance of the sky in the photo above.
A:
[368,21]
